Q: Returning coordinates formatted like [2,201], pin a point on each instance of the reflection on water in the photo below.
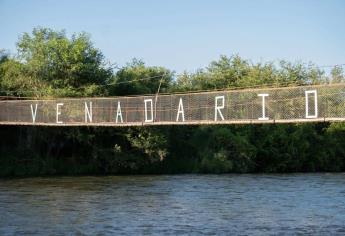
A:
[183,204]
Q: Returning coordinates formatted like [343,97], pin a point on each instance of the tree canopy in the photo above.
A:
[48,63]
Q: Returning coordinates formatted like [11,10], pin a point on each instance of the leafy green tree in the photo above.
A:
[4,56]
[235,72]
[48,63]
[337,74]
[136,78]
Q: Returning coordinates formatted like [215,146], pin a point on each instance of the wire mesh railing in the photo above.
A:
[264,105]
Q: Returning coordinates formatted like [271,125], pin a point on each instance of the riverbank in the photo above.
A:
[48,64]
[43,151]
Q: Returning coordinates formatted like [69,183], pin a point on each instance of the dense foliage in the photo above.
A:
[49,64]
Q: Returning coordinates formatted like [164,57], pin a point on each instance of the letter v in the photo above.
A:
[33,113]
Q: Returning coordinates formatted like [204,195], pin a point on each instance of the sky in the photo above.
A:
[188,34]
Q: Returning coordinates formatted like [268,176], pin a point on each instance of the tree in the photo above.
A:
[48,63]
[337,74]
[136,78]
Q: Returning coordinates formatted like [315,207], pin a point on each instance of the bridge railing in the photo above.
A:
[265,105]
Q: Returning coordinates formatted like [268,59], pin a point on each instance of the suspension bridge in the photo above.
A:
[311,103]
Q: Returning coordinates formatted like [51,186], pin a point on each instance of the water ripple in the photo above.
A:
[308,204]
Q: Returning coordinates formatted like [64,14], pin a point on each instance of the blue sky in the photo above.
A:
[188,34]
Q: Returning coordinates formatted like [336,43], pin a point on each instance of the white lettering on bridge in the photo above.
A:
[264,105]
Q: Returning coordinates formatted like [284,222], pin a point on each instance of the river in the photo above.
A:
[308,204]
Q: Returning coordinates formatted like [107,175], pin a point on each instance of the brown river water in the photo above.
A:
[306,204]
